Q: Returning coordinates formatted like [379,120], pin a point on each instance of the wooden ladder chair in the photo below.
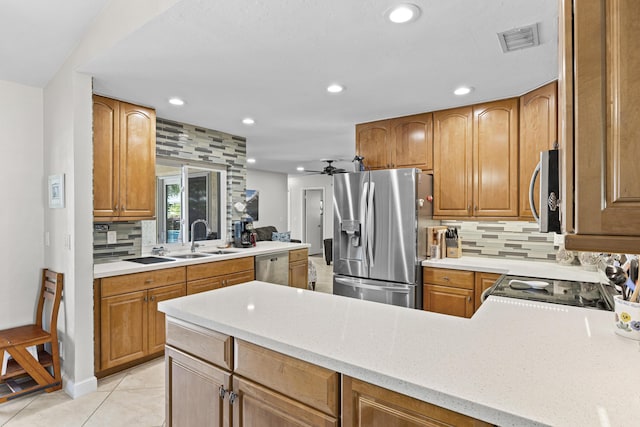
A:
[26,373]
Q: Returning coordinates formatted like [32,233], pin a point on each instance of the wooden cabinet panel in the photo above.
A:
[124,143]
[310,384]
[412,142]
[192,392]
[453,162]
[448,300]
[604,144]
[538,132]
[237,278]
[219,268]
[483,281]
[259,406]
[156,318]
[299,274]
[123,331]
[137,161]
[372,143]
[367,405]
[203,285]
[206,344]
[447,277]
[106,156]
[495,153]
[140,281]
[298,255]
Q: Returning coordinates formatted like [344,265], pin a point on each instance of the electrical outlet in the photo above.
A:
[101,227]
[47,239]
[112,236]
[67,241]
[558,239]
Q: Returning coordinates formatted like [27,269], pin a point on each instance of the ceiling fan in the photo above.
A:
[329,169]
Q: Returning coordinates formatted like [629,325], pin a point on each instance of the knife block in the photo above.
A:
[455,251]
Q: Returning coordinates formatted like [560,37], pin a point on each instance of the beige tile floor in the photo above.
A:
[134,397]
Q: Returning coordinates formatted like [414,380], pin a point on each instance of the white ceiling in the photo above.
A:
[272,61]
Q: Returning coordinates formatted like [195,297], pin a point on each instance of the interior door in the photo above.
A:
[313,216]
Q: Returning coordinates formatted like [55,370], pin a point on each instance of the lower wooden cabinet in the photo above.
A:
[298,268]
[367,405]
[218,274]
[483,282]
[448,300]
[128,326]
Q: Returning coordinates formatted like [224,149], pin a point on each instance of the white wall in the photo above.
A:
[272,207]
[297,185]
[23,199]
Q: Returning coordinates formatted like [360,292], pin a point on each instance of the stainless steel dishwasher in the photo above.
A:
[273,268]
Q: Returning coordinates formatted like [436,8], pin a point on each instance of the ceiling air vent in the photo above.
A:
[519,38]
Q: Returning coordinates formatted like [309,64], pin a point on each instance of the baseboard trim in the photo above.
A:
[81,388]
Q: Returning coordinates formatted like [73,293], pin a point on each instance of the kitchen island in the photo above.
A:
[514,363]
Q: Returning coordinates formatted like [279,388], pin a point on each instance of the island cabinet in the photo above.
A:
[449,291]
[538,132]
[403,142]
[214,379]
[600,130]
[365,404]
[129,328]
[476,161]
[218,274]
[124,153]
[299,268]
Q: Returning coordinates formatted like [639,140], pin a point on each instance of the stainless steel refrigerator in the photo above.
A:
[379,238]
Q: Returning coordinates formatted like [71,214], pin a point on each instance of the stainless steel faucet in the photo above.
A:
[193,235]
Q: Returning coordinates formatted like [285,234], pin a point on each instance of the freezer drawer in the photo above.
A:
[403,295]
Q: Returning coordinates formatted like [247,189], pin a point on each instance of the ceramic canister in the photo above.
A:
[627,318]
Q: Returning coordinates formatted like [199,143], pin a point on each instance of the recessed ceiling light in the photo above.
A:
[300,169]
[251,160]
[335,88]
[403,13]
[248,121]
[463,90]
[176,101]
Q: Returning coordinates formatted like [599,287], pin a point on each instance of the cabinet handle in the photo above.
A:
[221,392]
[115,208]
[445,278]
[153,298]
[468,208]
[122,207]
[148,281]
[145,299]
[476,207]
[232,397]
[469,299]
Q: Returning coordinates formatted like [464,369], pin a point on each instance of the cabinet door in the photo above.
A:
[367,405]
[447,300]
[298,274]
[237,278]
[412,142]
[106,128]
[123,328]
[259,406]
[372,143]
[538,132]
[483,282]
[193,392]
[453,162]
[156,318]
[606,131]
[137,161]
[495,153]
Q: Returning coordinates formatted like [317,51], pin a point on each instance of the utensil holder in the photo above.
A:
[627,318]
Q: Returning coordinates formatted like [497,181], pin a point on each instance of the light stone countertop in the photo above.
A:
[514,363]
[542,269]
[118,268]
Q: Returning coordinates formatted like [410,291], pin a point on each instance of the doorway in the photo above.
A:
[313,219]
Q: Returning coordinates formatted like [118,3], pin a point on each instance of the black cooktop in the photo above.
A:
[565,292]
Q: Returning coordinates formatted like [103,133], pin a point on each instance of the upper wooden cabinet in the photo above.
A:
[600,136]
[476,161]
[538,132]
[124,158]
[403,142]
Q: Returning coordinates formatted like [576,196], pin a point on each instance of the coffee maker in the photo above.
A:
[243,232]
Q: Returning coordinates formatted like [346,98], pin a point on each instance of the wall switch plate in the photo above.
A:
[101,227]
[47,238]
[558,239]
[112,236]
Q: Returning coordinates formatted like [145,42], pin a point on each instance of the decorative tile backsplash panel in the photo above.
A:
[186,142]
[505,239]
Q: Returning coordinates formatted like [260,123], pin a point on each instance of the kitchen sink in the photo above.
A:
[149,260]
[191,256]
[220,252]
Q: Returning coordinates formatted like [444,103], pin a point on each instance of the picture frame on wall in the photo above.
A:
[56,191]
[253,199]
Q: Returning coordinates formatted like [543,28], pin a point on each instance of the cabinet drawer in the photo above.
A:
[141,281]
[208,345]
[310,384]
[298,255]
[446,277]
[218,268]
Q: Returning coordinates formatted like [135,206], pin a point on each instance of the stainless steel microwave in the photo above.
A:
[549,172]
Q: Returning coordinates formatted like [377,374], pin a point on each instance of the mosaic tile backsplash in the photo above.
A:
[505,239]
[187,142]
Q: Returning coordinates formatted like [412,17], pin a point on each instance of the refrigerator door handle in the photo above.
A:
[370,223]
[363,216]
